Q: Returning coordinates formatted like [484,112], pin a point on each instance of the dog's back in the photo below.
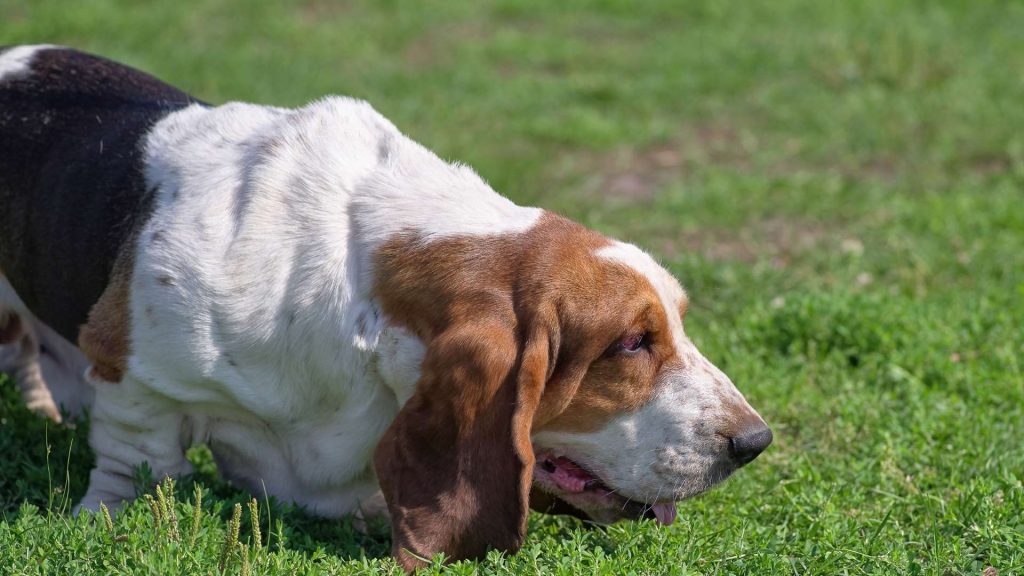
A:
[71,130]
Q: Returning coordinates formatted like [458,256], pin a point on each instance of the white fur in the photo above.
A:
[16,62]
[253,324]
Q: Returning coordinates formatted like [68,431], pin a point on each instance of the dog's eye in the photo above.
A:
[633,342]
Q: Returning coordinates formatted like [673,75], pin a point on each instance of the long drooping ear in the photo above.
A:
[456,465]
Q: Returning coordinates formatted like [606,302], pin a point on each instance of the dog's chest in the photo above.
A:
[322,460]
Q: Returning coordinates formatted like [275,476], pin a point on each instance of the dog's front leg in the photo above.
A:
[131,425]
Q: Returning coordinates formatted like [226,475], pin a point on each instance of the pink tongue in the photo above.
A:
[665,513]
[569,476]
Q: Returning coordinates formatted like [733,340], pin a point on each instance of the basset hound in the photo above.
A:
[347,321]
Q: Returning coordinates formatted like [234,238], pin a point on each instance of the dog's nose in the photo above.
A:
[746,446]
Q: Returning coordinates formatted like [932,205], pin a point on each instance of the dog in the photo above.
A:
[347,321]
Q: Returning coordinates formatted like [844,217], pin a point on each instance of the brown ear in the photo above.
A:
[456,465]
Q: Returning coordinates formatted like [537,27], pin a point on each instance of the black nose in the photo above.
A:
[747,446]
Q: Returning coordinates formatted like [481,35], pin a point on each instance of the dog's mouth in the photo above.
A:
[566,479]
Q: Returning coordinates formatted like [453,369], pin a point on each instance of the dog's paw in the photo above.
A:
[371,513]
[46,409]
[38,399]
[91,503]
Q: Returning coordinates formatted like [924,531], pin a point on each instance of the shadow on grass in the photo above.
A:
[45,464]
[284,525]
[48,465]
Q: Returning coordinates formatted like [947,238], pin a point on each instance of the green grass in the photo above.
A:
[840,186]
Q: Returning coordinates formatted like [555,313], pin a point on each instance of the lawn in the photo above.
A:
[840,187]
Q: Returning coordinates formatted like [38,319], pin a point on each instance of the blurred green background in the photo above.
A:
[838,185]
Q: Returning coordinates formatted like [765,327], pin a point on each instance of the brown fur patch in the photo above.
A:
[517,329]
[104,338]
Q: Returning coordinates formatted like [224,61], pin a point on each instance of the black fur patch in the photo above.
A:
[72,191]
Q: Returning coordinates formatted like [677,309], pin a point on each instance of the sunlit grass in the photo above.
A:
[839,187]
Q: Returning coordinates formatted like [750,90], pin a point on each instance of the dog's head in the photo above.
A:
[556,360]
